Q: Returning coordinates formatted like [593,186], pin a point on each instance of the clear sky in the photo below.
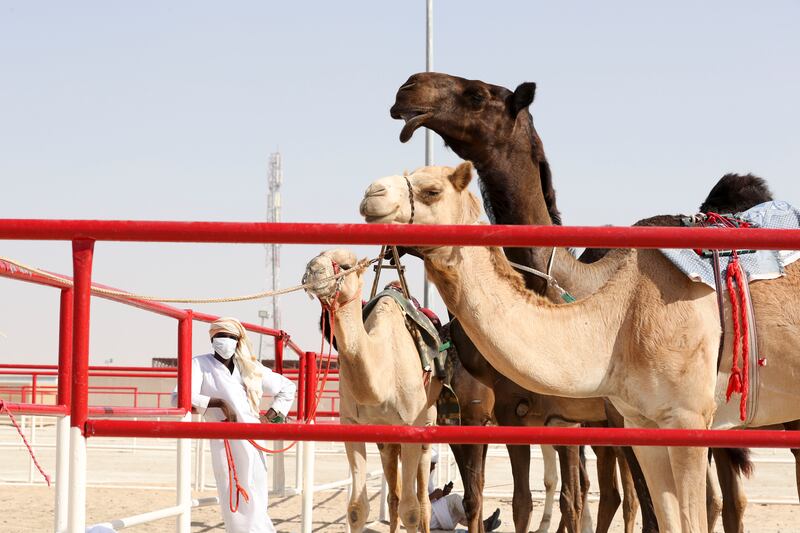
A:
[152,110]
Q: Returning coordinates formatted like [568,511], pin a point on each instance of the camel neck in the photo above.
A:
[359,355]
[581,279]
[512,190]
[562,350]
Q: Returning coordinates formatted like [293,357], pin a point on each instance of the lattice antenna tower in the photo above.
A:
[275,177]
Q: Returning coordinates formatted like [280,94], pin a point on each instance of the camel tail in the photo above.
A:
[740,459]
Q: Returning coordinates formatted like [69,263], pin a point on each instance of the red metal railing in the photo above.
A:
[83,233]
[82,253]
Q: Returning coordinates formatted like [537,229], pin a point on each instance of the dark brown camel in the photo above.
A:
[491,126]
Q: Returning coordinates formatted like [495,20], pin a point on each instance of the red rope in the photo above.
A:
[30,450]
[740,379]
[233,480]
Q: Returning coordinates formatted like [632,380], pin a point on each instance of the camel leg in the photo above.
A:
[390,455]
[689,466]
[630,503]
[654,461]
[409,504]
[609,489]
[734,500]
[550,482]
[358,506]
[713,497]
[794,426]
[796,453]
[423,473]
[586,513]
[570,501]
[521,503]
[470,459]
[649,522]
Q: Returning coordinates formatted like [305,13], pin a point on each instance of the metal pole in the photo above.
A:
[307,498]
[184,451]
[184,481]
[82,253]
[278,463]
[428,133]
[62,423]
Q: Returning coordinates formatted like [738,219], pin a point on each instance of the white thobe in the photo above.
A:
[448,511]
[211,379]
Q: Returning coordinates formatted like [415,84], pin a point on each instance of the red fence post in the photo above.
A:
[311,385]
[34,379]
[82,254]
[65,348]
[280,342]
[185,361]
[301,389]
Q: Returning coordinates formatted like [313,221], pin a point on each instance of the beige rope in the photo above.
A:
[359,267]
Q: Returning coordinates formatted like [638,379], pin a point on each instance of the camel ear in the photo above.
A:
[461,176]
[522,97]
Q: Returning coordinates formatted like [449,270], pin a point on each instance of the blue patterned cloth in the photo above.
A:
[761,264]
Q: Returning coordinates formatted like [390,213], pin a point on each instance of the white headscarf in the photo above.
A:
[250,367]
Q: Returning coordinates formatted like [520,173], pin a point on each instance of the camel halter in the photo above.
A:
[410,198]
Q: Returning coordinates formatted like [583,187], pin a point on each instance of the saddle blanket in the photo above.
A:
[758,265]
[761,264]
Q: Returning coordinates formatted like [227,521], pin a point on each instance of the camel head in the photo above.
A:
[435,195]
[327,264]
[469,115]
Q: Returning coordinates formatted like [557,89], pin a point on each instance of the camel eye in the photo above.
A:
[475,96]
[431,193]
[346,266]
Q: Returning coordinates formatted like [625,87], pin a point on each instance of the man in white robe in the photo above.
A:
[447,510]
[228,385]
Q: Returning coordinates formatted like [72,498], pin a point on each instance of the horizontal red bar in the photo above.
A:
[37,409]
[408,235]
[100,367]
[160,375]
[203,317]
[447,434]
[135,411]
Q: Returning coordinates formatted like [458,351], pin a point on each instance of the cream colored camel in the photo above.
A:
[654,334]
[381,382]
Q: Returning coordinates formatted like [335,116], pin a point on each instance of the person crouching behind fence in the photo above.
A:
[447,509]
[227,385]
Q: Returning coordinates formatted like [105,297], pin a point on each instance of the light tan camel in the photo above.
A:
[654,334]
[381,382]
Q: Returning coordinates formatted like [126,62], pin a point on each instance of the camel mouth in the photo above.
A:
[379,219]
[316,275]
[413,120]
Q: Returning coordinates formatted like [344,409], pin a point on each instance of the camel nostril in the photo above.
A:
[407,86]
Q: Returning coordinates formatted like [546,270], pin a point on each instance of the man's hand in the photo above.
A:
[273,417]
[436,494]
[227,410]
[447,488]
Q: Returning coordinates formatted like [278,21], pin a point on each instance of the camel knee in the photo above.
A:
[409,513]
[357,514]
[473,504]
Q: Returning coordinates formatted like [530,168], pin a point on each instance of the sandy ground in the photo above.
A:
[117,480]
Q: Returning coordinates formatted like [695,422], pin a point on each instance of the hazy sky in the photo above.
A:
[152,111]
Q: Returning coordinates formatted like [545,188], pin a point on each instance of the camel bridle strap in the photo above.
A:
[551,281]
[410,198]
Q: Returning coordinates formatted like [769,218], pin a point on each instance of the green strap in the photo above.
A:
[567,297]
[445,346]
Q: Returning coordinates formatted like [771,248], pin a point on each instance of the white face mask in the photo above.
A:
[224,346]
